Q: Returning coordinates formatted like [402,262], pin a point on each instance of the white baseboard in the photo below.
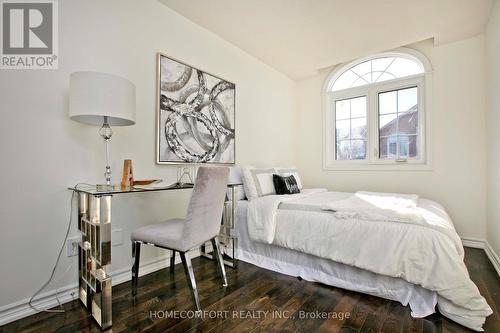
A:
[47,300]
[495,260]
[474,242]
[483,244]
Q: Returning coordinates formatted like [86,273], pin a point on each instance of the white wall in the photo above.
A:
[43,152]
[493,127]
[457,179]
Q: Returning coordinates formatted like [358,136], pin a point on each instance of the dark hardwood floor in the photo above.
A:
[252,289]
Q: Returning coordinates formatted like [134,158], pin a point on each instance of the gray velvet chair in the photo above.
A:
[202,224]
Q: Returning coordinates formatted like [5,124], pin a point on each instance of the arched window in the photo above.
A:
[375,112]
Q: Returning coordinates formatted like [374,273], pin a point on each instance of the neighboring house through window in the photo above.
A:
[375,112]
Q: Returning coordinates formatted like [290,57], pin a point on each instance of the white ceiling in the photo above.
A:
[299,37]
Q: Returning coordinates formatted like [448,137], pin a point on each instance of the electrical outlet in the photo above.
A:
[116,237]
[72,246]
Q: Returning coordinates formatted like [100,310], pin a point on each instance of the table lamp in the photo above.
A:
[104,100]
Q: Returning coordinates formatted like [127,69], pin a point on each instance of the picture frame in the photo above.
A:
[195,115]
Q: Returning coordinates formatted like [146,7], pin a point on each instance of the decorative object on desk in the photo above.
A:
[128,180]
[128,174]
[195,115]
[102,99]
[147,182]
[184,173]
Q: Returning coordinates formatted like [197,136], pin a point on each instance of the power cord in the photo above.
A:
[60,310]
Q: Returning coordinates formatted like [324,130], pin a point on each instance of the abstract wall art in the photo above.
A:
[195,115]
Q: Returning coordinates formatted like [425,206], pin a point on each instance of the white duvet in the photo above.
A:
[423,249]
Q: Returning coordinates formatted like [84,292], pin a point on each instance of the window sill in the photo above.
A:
[377,167]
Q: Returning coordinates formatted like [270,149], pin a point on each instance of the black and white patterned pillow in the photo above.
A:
[285,184]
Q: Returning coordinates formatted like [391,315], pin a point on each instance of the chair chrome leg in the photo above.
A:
[188,269]
[172,262]
[136,256]
[220,262]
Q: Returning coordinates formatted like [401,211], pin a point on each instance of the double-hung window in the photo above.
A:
[375,113]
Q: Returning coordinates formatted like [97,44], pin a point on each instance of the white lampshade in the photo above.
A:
[95,95]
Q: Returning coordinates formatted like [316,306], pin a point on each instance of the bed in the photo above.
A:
[415,264]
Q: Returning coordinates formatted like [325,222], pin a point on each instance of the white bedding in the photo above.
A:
[311,268]
[428,255]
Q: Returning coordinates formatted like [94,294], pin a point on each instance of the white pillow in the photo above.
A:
[258,182]
[291,171]
[236,177]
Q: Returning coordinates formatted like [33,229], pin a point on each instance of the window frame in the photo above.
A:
[373,162]
[334,119]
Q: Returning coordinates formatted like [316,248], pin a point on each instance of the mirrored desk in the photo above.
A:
[94,255]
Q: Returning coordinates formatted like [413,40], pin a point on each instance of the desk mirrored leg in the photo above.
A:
[136,255]
[188,269]
[94,223]
[220,261]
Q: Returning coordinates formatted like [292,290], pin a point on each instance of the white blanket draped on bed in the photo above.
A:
[421,248]
[389,207]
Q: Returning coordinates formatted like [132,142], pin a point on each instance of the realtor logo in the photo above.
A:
[29,34]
